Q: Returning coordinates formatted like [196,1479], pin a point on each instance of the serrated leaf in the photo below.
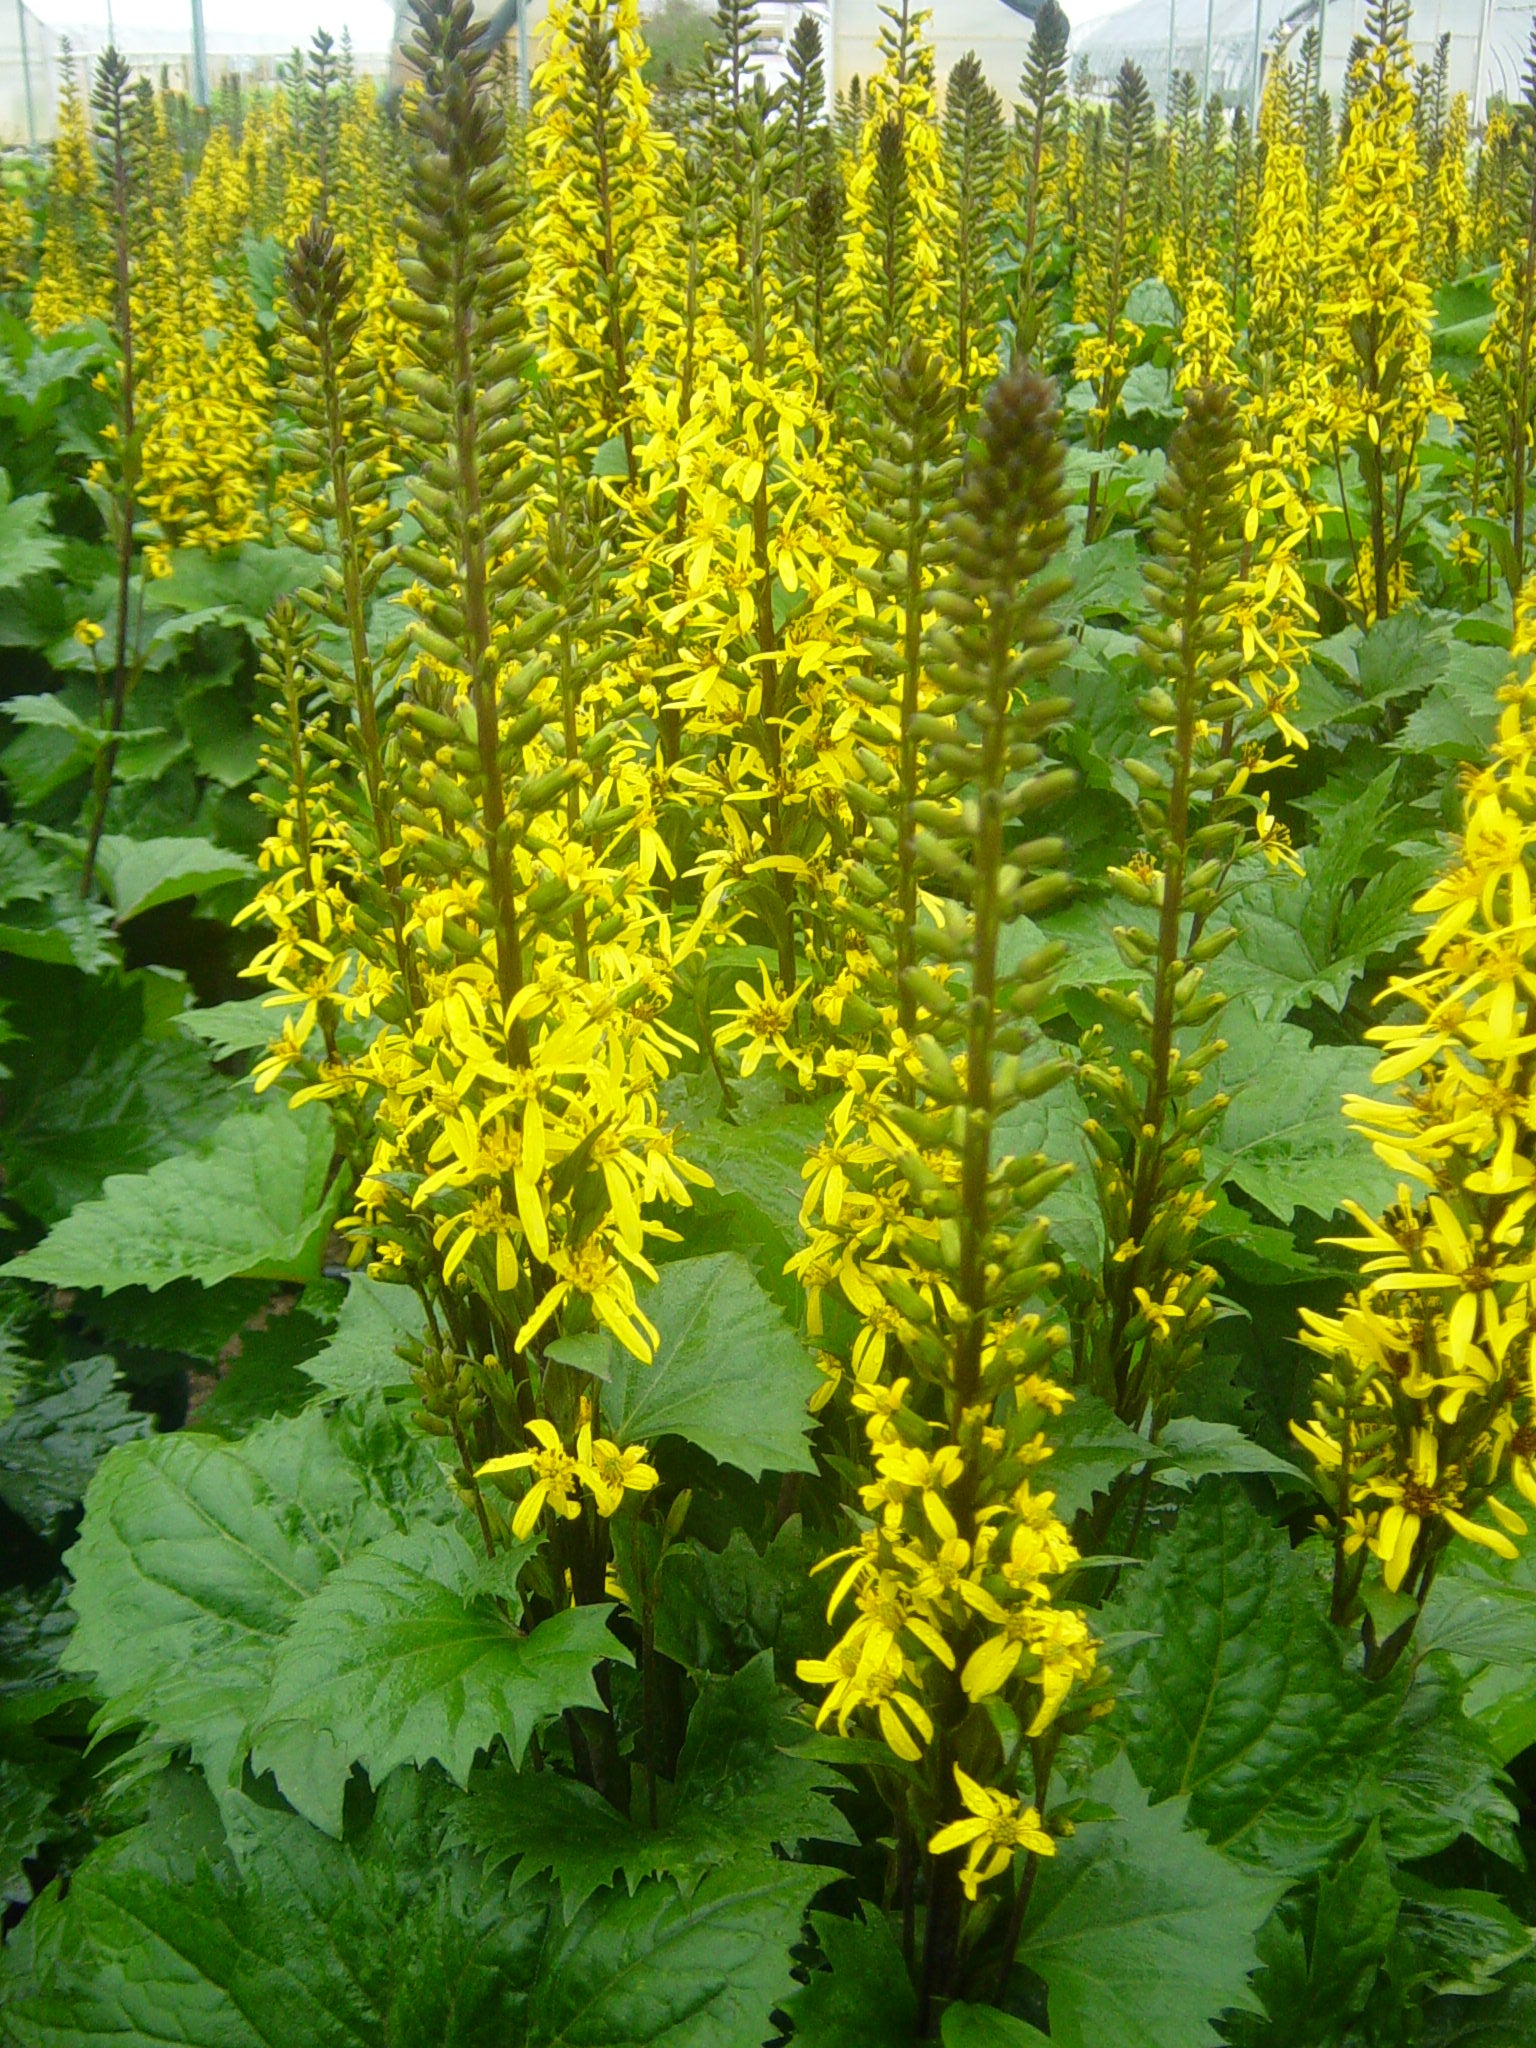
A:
[229,1028]
[1437,1774]
[293,1939]
[720,1607]
[735,1790]
[1357,1909]
[1247,1701]
[729,1374]
[260,1374]
[1242,1702]
[701,1970]
[196,1557]
[363,1355]
[141,873]
[1200,1450]
[250,1201]
[1284,1140]
[41,915]
[1106,578]
[27,548]
[1457,719]
[389,1663]
[25,1801]
[1460,1941]
[1482,1610]
[1090,1448]
[62,1425]
[863,1995]
[92,1095]
[1141,1931]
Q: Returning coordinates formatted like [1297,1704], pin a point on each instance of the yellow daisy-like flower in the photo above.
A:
[555,1478]
[608,1473]
[994,1829]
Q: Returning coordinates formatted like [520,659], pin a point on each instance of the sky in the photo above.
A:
[282,23]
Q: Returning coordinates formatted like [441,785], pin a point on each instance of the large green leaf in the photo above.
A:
[720,1607]
[247,1026]
[1141,1931]
[1323,1952]
[736,1790]
[1457,719]
[729,1374]
[362,1355]
[250,1200]
[1482,1611]
[1090,1448]
[1247,1702]
[90,1094]
[196,1557]
[1309,938]
[1284,1140]
[698,1969]
[1243,1703]
[141,873]
[41,914]
[64,1422]
[291,1941]
[1202,1450]
[399,1658]
[27,548]
[864,1994]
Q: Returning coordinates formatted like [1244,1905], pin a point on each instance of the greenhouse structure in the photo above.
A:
[1216,41]
[996,30]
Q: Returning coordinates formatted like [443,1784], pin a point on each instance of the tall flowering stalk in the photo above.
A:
[973,152]
[1376,390]
[488,998]
[1141,1325]
[1425,1406]
[949,1629]
[1041,135]
[1510,344]
[897,222]
[115,152]
[1112,257]
[74,279]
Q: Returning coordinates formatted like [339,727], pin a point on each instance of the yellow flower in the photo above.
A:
[87,633]
[608,1472]
[995,1828]
[556,1475]
[764,1019]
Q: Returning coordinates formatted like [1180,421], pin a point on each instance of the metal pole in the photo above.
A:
[831,61]
[1210,30]
[1258,65]
[1477,69]
[1173,9]
[199,57]
[26,76]
[524,83]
